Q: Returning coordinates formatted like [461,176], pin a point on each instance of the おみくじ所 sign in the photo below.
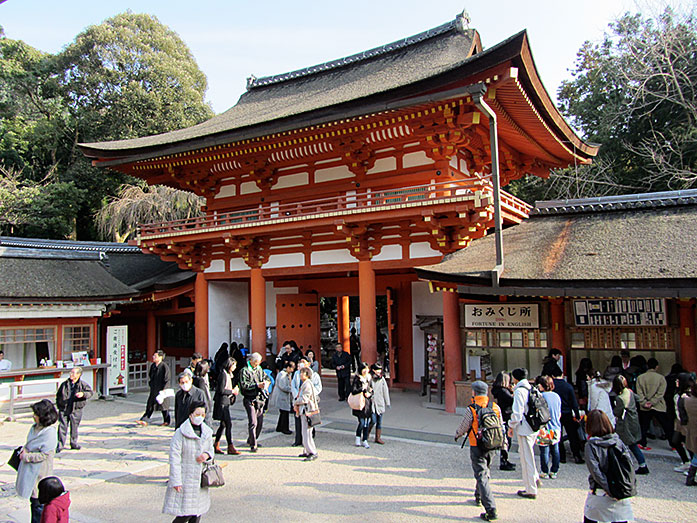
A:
[502,316]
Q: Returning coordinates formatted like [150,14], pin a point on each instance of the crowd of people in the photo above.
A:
[607,417]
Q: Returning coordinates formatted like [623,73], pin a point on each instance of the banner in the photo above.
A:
[502,316]
[117,358]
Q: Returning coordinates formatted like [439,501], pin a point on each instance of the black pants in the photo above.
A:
[678,444]
[255,420]
[64,417]
[283,424]
[355,360]
[36,510]
[150,407]
[298,431]
[645,417]
[186,519]
[571,428]
[344,383]
[226,425]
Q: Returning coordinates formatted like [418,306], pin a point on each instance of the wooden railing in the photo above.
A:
[367,200]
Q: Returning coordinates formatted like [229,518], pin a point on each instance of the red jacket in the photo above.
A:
[56,511]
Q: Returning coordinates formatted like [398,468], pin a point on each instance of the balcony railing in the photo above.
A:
[358,201]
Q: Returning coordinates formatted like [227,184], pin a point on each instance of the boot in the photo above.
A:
[690,481]
[231,450]
[216,448]
[378,433]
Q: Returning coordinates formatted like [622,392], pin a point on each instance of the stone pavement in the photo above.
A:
[420,474]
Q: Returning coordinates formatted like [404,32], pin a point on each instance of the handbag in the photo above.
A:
[356,401]
[212,475]
[14,458]
[313,418]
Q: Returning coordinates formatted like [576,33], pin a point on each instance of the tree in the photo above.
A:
[142,203]
[635,93]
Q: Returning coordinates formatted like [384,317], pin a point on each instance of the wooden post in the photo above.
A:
[151,335]
[201,314]
[452,349]
[366,289]
[688,347]
[345,318]
[257,295]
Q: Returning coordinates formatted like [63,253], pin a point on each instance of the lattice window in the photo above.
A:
[31,335]
[642,338]
[506,338]
[76,339]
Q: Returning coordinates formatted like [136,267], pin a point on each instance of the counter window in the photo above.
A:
[26,347]
[76,339]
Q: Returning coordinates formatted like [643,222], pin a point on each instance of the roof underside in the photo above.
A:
[443,58]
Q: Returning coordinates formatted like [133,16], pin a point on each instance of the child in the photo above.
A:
[55,499]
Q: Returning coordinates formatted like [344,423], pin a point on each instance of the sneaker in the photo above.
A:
[543,475]
[489,516]
[358,441]
[642,470]
[552,475]
[507,466]
[311,457]
[642,447]
[365,444]
[75,447]
[525,495]
[682,468]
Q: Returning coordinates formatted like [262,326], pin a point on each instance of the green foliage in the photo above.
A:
[127,77]
[635,93]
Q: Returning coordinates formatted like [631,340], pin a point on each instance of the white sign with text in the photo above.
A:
[502,316]
[117,358]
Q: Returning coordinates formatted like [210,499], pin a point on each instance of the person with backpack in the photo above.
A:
[612,481]
[549,436]
[483,425]
[521,416]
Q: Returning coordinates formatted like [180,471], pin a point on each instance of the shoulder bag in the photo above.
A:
[212,475]
[356,401]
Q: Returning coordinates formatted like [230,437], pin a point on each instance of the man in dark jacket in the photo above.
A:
[254,386]
[185,397]
[158,375]
[342,365]
[71,397]
[355,347]
[569,416]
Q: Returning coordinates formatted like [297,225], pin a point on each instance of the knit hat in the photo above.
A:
[479,388]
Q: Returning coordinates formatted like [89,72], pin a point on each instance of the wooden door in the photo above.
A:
[297,318]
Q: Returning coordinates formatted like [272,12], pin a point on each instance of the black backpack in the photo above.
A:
[538,411]
[489,428]
[620,475]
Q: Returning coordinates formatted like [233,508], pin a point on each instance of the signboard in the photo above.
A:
[502,315]
[117,358]
[640,312]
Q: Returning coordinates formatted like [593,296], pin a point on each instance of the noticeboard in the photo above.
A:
[117,358]
[637,312]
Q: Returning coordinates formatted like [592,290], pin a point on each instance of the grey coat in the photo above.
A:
[627,417]
[37,462]
[282,392]
[381,396]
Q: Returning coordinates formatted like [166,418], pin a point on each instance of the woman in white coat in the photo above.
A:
[307,402]
[191,445]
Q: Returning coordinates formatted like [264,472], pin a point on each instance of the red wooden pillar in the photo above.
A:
[344,322]
[366,289]
[556,313]
[688,347]
[151,335]
[452,347]
[201,314]
[257,296]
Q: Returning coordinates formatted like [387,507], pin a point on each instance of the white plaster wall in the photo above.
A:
[389,252]
[279,261]
[333,256]
[227,302]
[216,266]
[292,180]
[423,302]
[271,293]
[238,264]
[226,191]
[416,158]
[332,173]
[422,250]
[249,188]
[384,164]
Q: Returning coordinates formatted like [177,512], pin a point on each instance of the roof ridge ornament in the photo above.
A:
[463,20]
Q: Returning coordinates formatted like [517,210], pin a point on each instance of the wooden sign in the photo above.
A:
[502,316]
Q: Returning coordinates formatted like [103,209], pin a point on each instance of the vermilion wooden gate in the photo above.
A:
[297,318]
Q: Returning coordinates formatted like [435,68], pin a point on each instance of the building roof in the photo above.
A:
[634,240]
[361,84]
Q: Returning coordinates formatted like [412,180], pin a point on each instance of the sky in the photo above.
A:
[233,39]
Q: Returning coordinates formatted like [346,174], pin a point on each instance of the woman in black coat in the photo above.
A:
[226,392]
[503,394]
[362,386]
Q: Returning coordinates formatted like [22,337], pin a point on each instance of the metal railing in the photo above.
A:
[366,200]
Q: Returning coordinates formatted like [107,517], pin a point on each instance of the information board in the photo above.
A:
[502,315]
[117,358]
[639,312]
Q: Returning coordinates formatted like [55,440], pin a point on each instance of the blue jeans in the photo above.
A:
[363,428]
[638,454]
[694,460]
[544,458]
[377,421]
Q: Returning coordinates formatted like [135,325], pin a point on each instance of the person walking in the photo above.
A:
[381,400]
[71,397]
[600,504]
[307,402]
[191,445]
[687,411]
[282,398]
[480,457]
[549,436]
[627,420]
[226,392]
[55,500]
[221,356]
[550,364]
[362,386]
[503,394]
[650,389]
[355,348]
[158,380]
[570,416]
[254,385]
[342,364]
[295,390]
[200,381]
[36,457]
[185,397]
[525,435]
